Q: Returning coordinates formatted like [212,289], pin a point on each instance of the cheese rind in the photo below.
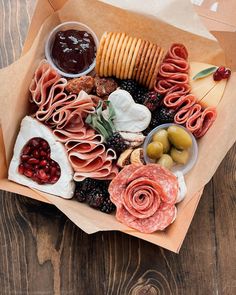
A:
[130,116]
[30,128]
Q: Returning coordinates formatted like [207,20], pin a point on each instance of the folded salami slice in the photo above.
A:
[173,71]
[207,118]
[145,197]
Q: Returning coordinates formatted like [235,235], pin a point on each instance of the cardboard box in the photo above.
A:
[100,17]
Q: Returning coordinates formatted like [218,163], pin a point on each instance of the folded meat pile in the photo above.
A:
[173,82]
[65,115]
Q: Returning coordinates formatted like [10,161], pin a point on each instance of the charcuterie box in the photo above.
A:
[147,21]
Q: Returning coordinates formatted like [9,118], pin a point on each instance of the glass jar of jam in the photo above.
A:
[71,49]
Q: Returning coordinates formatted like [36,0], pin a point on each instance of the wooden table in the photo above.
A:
[42,252]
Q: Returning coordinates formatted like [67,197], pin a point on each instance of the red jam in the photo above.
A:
[73,51]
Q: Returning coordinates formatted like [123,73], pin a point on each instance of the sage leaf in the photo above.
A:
[205,73]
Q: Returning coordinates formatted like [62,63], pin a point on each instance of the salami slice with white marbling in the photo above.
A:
[145,197]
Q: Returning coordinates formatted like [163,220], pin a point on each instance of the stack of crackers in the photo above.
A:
[125,57]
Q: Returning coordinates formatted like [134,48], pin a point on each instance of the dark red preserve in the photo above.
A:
[73,51]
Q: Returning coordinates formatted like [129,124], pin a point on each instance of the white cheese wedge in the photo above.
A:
[182,186]
[207,91]
[65,185]
[130,116]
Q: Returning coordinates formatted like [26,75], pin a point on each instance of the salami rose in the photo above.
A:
[145,197]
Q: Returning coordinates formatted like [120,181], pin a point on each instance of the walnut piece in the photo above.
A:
[105,86]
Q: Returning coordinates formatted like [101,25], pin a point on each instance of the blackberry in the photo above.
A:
[95,198]
[88,184]
[152,100]
[117,143]
[103,185]
[140,95]
[79,195]
[129,85]
[107,206]
[161,116]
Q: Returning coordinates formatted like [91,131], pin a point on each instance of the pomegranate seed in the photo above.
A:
[44,145]
[217,76]
[43,163]
[36,154]
[34,142]
[221,70]
[58,172]
[53,163]
[21,169]
[25,158]
[53,171]
[33,161]
[54,179]
[26,150]
[46,168]
[36,167]
[28,173]
[43,154]
[226,74]
[27,166]
[42,175]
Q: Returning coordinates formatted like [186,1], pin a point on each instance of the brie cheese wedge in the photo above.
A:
[31,128]
[130,116]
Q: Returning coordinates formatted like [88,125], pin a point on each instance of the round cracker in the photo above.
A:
[107,41]
[99,53]
[159,60]
[137,61]
[140,67]
[145,63]
[121,56]
[134,57]
[125,57]
[108,54]
[119,45]
[113,53]
[129,58]
[149,64]
[154,61]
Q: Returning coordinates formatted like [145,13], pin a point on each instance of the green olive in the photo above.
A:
[179,137]
[162,136]
[166,161]
[155,150]
[180,157]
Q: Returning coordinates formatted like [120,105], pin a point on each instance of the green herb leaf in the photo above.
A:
[205,73]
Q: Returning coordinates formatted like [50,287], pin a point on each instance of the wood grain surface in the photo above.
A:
[42,252]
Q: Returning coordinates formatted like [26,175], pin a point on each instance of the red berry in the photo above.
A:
[221,70]
[226,74]
[217,76]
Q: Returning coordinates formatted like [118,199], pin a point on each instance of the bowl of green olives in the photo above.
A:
[172,146]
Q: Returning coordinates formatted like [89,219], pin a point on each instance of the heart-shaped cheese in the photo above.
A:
[25,171]
[130,116]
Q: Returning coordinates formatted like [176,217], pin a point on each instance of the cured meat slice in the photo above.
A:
[199,124]
[145,197]
[173,71]
[162,218]
[65,114]
[166,179]
[173,100]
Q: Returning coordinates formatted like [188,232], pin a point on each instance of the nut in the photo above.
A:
[85,83]
[136,156]
[105,86]
[124,158]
